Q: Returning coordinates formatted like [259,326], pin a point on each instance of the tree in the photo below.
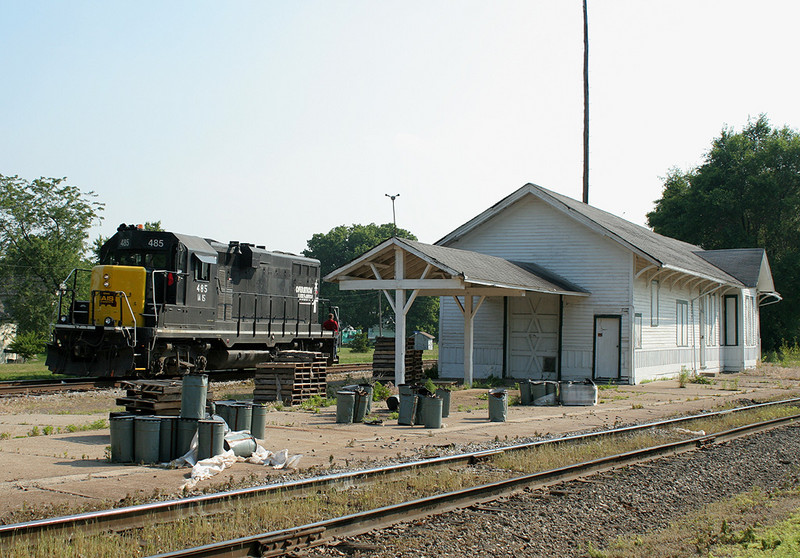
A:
[746,194]
[359,309]
[44,227]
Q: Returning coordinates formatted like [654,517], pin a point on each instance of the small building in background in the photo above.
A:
[423,341]
[8,333]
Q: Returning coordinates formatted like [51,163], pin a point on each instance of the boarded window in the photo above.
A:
[731,320]
[682,323]
[637,331]
[654,303]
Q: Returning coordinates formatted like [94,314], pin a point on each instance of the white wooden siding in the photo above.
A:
[532,231]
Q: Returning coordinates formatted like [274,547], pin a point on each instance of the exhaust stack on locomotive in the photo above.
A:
[166,302]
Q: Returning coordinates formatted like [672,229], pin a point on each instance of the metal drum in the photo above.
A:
[345,406]
[168,439]
[241,443]
[241,416]
[259,422]
[431,411]
[210,437]
[187,428]
[193,396]
[444,395]
[146,433]
[121,425]
[498,405]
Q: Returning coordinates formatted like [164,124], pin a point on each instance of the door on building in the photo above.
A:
[607,333]
[533,336]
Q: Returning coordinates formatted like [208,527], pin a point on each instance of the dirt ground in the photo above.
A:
[66,468]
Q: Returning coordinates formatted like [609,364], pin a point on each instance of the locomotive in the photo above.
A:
[167,303]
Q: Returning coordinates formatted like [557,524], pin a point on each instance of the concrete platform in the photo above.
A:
[68,470]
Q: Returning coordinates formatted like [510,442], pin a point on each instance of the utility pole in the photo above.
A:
[585,105]
[394,218]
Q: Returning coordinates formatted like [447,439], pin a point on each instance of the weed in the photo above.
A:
[394,415]
[47,430]
[34,431]
[380,392]
[637,406]
[5,435]
[683,377]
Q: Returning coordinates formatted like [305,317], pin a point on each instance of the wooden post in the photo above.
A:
[399,320]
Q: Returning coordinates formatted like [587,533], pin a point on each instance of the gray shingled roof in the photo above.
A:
[743,263]
[483,269]
[663,250]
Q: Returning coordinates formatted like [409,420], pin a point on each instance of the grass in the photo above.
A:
[749,525]
[347,356]
[34,369]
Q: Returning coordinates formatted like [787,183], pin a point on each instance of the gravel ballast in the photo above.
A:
[562,520]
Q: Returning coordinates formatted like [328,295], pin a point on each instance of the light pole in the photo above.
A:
[394,218]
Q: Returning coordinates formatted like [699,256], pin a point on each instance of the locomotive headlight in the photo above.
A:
[62,319]
[105,283]
[105,280]
[106,276]
[109,321]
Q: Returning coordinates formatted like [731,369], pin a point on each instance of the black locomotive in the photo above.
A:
[162,302]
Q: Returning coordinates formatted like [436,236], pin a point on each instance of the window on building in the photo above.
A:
[682,322]
[654,303]
[637,330]
[711,319]
[731,319]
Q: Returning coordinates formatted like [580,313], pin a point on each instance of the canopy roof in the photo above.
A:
[439,271]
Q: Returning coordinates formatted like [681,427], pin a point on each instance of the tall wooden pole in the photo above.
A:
[585,105]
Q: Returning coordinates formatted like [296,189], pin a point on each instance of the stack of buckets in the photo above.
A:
[419,406]
[160,439]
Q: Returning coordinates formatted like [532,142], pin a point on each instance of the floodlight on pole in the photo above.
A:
[394,218]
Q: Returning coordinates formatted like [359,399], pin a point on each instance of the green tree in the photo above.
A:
[745,194]
[360,309]
[44,227]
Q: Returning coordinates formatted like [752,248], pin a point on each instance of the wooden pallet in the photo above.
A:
[290,382]
[383,361]
[154,397]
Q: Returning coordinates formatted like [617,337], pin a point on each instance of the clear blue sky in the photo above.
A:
[270,121]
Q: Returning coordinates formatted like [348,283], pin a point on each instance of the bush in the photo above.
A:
[380,392]
[27,345]
[360,343]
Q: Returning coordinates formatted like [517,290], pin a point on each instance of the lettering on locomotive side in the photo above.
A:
[107,299]
[304,293]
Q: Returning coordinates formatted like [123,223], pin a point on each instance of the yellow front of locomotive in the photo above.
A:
[118,295]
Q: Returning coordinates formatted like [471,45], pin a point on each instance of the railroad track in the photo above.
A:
[55,385]
[277,543]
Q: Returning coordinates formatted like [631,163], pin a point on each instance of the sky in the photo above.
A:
[268,122]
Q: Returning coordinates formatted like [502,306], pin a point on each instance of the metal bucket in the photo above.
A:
[578,393]
[431,411]
[121,425]
[210,435]
[146,435]
[241,443]
[224,411]
[408,409]
[242,416]
[259,422]
[444,395]
[525,397]
[498,405]
[370,390]
[168,439]
[360,405]
[193,396]
[544,394]
[187,428]
[345,406]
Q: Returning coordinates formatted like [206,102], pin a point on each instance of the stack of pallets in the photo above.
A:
[383,361]
[294,378]
[152,397]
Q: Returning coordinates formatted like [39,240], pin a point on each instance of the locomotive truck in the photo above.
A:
[161,302]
